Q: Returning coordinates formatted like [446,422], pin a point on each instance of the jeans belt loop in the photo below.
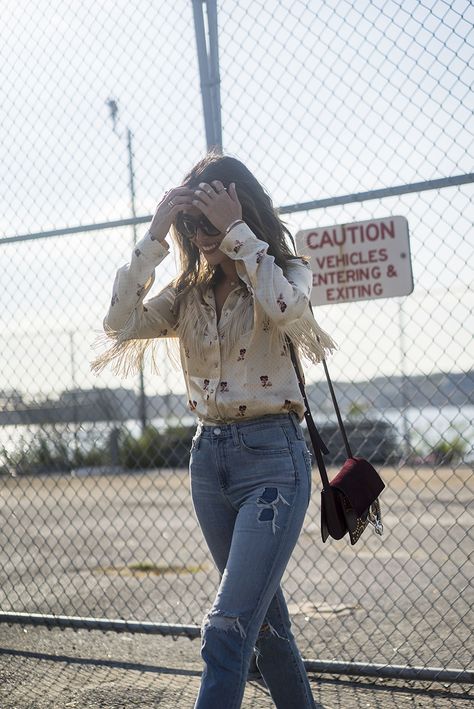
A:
[235,434]
[296,425]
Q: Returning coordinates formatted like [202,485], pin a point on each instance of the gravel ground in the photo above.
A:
[59,669]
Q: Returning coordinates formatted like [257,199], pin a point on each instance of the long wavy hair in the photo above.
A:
[127,353]
[257,211]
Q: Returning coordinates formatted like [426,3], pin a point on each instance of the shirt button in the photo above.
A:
[217,431]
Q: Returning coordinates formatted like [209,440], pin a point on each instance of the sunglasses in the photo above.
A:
[187,226]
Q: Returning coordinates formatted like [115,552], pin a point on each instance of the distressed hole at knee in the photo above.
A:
[270,495]
[225,623]
[267,630]
[222,622]
[267,514]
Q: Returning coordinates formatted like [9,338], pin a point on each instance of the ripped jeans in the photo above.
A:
[250,485]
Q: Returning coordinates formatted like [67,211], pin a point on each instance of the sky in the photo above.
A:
[318,98]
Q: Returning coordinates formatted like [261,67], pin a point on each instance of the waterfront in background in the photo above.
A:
[425,428]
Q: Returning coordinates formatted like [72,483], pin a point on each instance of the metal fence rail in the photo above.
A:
[346,112]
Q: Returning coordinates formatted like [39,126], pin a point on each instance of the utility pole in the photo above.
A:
[74,392]
[113,108]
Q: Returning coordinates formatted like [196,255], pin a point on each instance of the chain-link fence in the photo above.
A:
[101,114]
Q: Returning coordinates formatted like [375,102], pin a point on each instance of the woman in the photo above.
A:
[239,297]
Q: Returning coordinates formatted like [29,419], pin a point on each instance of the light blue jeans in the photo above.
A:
[250,485]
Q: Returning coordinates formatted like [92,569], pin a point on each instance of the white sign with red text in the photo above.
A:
[358,261]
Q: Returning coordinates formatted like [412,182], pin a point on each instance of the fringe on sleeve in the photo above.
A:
[127,355]
[311,341]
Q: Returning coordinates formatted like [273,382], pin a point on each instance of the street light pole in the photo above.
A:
[131,182]
[113,108]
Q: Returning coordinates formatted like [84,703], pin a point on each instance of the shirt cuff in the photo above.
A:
[241,242]
[147,254]
[150,248]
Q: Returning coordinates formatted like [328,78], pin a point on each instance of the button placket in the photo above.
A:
[212,336]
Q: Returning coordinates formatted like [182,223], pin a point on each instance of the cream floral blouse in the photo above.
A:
[236,368]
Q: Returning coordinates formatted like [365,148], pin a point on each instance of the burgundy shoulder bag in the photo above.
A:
[349,502]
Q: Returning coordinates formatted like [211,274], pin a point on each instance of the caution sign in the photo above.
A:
[358,261]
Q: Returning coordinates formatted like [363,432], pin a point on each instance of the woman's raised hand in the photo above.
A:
[173,201]
[220,206]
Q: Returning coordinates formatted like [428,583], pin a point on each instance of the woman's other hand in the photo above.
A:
[220,206]
[174,201]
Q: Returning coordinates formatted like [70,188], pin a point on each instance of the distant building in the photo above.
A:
[113,404]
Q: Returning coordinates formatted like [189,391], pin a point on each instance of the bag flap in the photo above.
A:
[359,482]
[332,517]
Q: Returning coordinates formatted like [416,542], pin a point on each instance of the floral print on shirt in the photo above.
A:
[222,362]
[281,303]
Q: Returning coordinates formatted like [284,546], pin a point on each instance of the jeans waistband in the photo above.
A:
[224,430]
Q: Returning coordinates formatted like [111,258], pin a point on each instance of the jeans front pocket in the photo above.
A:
[267,441]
